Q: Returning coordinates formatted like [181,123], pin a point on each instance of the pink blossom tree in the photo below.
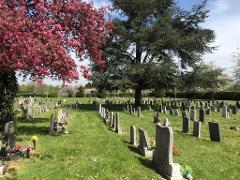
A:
[37,36]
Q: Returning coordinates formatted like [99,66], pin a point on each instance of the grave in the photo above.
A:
[9,134]
[144,146]
[196,129]
[202,115]
[214,131]
[185,124]
[163,155]
[133,138]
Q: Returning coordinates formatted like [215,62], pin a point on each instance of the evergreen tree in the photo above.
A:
[152,40]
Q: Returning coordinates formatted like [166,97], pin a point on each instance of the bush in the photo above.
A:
[8,91]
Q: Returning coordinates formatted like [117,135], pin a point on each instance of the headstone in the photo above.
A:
[225,113]
[202,115]
[208,111]
[139,112]
[185,124]
[133,138]
[118,129]
[144,144]
[193,115]
[184,113]
[214,130]
[150,108]
[234,109]
[52,119]
[196,129]
[155,117]
[165,122]
[163,155]
[9,134]
[164,109]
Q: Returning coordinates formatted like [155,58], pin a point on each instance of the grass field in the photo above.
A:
[93,151]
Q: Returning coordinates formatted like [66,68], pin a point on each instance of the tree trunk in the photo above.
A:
[138,96]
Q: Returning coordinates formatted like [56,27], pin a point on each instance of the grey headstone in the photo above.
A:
[133,138]
[52,118]
[144,139]
[139,112]
[193,115]
[163,155]
[196,129]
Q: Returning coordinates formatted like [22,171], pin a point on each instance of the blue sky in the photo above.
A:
[224,19]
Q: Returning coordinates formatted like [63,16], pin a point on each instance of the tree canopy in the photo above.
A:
[37,36]
[153,39]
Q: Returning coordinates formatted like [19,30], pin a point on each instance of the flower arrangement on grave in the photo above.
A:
[34,140]
[20,150]
[187,172]
[152,143]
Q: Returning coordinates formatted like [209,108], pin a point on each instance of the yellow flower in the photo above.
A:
[34,138]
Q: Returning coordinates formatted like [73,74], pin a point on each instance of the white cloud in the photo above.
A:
[224,20]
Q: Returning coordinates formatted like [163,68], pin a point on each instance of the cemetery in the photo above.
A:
[147,91]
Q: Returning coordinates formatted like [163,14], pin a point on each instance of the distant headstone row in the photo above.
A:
[31,107]
[110,118]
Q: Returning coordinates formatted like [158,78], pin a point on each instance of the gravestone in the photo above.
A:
[155,117]
[9,134]
[184,113]
[234,109]
[150,108]
[165,122]
[202,115]
[164,110]
[185,124]
[208,111]
[225,112]
[52,120]
[163,155]
[193,115]
[112,120]
[196,129]
[144,146]
[118,129]
[214,131]
[139,112]
[133,137]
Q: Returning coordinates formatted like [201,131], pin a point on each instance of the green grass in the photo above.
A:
[93,151]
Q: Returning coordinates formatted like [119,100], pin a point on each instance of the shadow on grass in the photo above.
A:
[30,130]
[133,149]
[33,120]
[150,165]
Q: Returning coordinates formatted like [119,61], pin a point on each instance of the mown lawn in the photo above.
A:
[93,151]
